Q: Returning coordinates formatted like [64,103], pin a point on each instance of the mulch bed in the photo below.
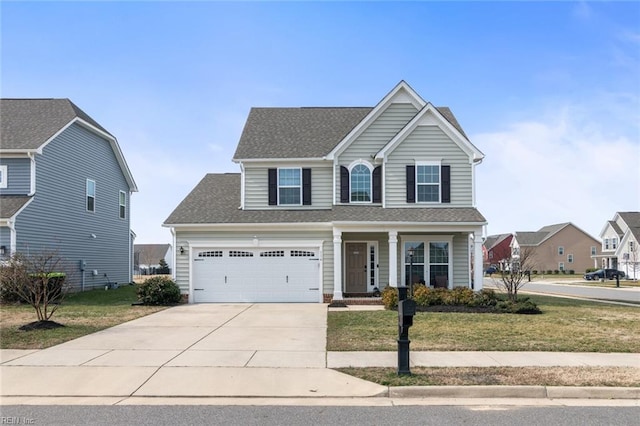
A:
[40,325]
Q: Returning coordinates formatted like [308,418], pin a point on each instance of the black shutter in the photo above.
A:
[306,187]
[344,184]
[273,187]
[377,184]
[411,184]
[445,171]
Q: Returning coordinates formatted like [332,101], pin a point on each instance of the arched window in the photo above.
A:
[360,184]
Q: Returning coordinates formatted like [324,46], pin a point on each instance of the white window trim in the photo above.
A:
[285,186]
[426,239]
[120,197]
[368,166]
[86,198]
[561,266]
[4,181]
[593,250]
[569,258]
[560,250]
[429,163]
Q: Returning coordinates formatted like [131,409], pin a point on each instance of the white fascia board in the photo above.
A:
[261,243]
[17,153]
[605,228]
[299,226]
[429,115]
[409,226]
[402,92]
[112,141]
[278,160]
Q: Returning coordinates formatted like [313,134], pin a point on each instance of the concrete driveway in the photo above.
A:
[191,350]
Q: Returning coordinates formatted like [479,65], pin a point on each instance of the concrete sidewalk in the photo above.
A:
[248,350]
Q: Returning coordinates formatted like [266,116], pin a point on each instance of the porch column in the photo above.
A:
[393,258]
[337,264]
[477,261]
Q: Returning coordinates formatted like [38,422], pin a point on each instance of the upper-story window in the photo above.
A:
[360,184]
[570,258]
[91,195]
[560,251]
[632,247]
[289,186]
[428,183]
[614,243]
[593,250]
[3,176]
[606,244]
[122,201]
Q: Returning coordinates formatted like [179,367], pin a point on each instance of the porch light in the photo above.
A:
[181,250]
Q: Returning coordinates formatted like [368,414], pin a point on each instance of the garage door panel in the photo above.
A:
[256,275]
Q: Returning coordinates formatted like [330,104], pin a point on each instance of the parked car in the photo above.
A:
[601,273]
[491,270]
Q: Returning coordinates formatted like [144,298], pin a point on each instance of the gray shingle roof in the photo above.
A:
[150,252]
[530,238]
[302,132]
[616,228]
[216,200]
[10,204]
[632,219]
[25,124]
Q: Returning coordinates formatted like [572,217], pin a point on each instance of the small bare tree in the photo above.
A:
[39,279]
[520,263]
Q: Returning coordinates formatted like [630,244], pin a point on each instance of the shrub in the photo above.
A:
[549,271]
[522,306]
[159,290]
[390,297]
[459,296]
[572,272]
[590,270]
[485,297]
[556,272]
[534,272]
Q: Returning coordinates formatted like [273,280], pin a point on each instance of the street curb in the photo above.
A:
[549,392]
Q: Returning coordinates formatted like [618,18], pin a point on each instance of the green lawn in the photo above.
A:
[565,325]
[81,313]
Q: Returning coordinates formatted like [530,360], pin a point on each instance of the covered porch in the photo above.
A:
[368,259]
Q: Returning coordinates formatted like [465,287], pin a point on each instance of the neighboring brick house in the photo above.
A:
[333,202]
[563,247]
[65,187]
[498,250]
[619,250]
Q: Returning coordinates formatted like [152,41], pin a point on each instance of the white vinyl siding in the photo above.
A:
[256,188]
[427,143]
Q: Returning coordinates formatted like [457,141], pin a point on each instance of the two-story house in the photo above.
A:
[64,188]
[497,249]
[334,202]
[620,237]
[562,247]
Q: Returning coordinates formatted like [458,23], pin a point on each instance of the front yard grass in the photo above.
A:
[566,325]
[502,376]
[81,313]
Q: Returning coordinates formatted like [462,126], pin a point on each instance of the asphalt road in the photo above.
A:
[576,290]
[320,415]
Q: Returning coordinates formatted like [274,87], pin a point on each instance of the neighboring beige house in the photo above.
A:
[334,202]
[562,247]
[620,238]
[146,257]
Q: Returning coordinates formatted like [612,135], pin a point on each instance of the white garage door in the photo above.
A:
[256,275]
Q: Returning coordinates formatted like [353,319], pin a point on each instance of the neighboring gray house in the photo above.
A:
[64,186]
[146,258]
[620,239]
[330,202]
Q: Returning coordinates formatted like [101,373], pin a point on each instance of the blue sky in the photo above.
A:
[549,91]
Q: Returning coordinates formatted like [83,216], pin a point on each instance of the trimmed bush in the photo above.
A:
[572,272]
[159,290]
[534,272]
[556,272]
[522,306]
[459,296]
[390,297]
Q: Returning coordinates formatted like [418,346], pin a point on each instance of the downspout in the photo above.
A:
[32,156]
[174,253]
[13,238]
[473,173]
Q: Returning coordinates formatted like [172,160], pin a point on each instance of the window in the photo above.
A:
[606,244]
[631,247]
[561,266]
[560,251]
[614,243]
[91,195]
[430,262]
[3,176]
[593,251]
[570,258]
[428,183]
[289,186]
[360,184]
[123,204]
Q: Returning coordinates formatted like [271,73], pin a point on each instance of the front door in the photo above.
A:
[356,267]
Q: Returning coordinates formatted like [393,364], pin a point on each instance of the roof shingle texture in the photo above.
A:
[10,204]
[302,132]
[25,124]
[216,200]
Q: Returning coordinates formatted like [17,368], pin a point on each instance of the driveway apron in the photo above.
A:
[192,350]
